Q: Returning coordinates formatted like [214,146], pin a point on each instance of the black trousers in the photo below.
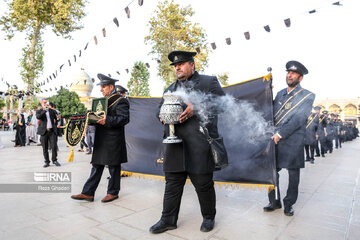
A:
[293,187]
[329,143]
[317,149]
[309,152]
[337,141]
[49,137]
[204,186]
[95,176]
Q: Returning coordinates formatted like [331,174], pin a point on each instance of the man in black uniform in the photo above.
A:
[311,136]
[317,149]
[192,157]
[109,145]
[322,133]
[337,131]
[330,129]
[292,106]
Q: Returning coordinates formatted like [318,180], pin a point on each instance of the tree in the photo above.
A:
[68,103]
[139,82]
[32,17]
[223,78]
[2,104]
[31,102]
[171,29]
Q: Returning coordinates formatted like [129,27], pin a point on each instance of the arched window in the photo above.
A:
[350,110]
[335,109]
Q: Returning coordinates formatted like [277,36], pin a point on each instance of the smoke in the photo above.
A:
[238,118]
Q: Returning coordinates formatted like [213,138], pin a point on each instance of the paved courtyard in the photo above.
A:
[328,206]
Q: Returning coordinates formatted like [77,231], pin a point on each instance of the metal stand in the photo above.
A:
[172,138]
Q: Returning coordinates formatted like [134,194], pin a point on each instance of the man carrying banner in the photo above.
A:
[292,106]
[192,157]
[109,146]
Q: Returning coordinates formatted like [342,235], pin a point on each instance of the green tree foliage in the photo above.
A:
[31,102]
[68,103]
[139,82]
[32,17]
[2,104]
[223,78]
[171,29]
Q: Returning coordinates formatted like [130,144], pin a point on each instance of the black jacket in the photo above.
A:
[193,154]
[41,115]
[109,144]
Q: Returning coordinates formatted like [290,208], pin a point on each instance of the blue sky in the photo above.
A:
[326,42]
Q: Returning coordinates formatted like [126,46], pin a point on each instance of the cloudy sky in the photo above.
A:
[326,42]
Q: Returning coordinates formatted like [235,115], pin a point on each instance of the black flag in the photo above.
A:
[213,45]
[127,10]
[95,39]
[228,41]
[115,20]
[287,22]
[267,28]
[104,32]
[247,35]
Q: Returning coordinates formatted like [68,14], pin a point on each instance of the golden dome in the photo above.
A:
[82,84]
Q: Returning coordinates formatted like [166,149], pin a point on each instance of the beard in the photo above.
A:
[295,82]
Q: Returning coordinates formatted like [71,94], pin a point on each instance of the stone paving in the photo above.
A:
[328,206]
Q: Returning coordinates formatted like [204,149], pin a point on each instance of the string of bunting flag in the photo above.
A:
[126,10]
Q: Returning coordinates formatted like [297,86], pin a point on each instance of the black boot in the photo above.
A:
[162,226]
[207,225]
[272,206]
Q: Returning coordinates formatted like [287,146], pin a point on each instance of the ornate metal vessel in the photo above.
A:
[170,113]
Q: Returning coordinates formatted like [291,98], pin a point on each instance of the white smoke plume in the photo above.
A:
[242,122]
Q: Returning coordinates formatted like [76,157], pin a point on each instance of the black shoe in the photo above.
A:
[271,207]
[161,226]
[307,160]
[207,225]
[46,165]
[289,211]
[312,161]
[323,155]
[331,151]
[56,163]
[317,155]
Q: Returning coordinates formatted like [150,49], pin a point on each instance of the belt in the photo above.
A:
[49,129]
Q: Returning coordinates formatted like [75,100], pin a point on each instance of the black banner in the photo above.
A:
[252,163]
[75,129]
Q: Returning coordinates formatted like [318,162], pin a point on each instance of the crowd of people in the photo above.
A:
[329,132]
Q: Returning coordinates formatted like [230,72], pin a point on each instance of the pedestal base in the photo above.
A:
[172,140]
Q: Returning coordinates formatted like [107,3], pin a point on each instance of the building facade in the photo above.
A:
[348,109]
